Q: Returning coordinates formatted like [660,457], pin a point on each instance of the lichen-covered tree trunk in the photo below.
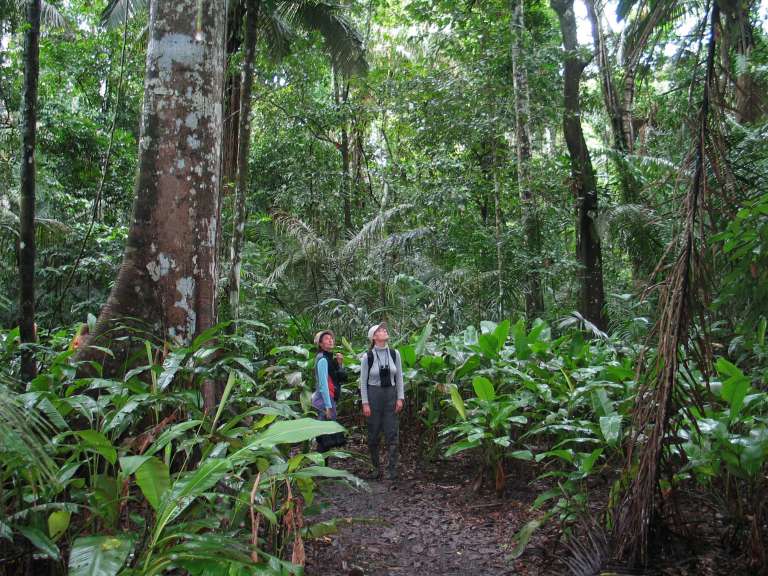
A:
[534,299]
[241,213]
[27,330]
[168,276]
[588,249]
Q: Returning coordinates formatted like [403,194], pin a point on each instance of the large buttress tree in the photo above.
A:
[168,276]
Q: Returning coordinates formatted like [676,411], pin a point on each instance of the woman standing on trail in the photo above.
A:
[383,393]
[329,375]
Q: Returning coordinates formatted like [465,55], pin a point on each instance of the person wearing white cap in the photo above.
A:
[383,393]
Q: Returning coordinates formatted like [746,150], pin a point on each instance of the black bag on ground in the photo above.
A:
[329,441]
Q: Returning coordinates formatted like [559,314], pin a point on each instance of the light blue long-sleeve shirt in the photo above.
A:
[321,370]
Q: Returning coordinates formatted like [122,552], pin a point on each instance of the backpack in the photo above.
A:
[369,355]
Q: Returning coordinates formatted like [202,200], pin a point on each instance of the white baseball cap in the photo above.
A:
[372,330]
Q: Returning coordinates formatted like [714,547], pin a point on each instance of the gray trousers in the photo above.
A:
[383,419]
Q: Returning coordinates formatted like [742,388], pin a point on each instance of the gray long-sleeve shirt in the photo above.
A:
[381,356]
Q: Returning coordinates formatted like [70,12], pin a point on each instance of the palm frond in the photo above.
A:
[371,231]
[399,241]
[294,227]
[342,40]
[23,434]
[575,319]
[118,11]
[276,31]
[50,17]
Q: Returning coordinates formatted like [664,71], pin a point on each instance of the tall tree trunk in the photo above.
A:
[27,330]
[739,37]
[168,276]
[243,148]
[534,299]
[341,95]
[588,249]
[232,95]
[497,237]
[622,138]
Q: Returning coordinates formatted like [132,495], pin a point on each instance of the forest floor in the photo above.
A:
[431,522]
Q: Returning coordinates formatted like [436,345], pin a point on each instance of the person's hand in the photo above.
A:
[366,410]
[398,406]
[340,358]
[328,414]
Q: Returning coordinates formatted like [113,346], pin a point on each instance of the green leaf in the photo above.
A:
[98,555]
[458,402]
[41,541]
[522,348]
[610,426]
[526,455]
[457,447]
[292,431]
[208,334]
[154,479]
[488,345]
[106,497]
[129,464]
[408,355]
[502,333]
[97,442]
[295,349]
[320,529]
[171,365]
[224,397]
[58,523]
[186,489]
[423,338]
[483,388]
[587,461]
[735,387]
[522,538]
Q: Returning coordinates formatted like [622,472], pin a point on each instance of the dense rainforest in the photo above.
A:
[559,208]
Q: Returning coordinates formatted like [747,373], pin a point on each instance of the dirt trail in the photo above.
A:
[429,522]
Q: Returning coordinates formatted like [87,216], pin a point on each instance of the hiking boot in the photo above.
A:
[374,474]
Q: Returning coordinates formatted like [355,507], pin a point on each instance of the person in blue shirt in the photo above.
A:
[329,376]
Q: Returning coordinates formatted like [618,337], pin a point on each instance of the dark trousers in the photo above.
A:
[383,419]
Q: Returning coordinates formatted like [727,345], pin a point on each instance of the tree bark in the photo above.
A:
[498,239]
[534,298]
[341,95]
[168,276]
[739,37]
[621,137]
[27,254]
[588,249]
[232,95]
[243,148]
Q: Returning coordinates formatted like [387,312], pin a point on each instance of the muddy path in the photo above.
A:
[429,522]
